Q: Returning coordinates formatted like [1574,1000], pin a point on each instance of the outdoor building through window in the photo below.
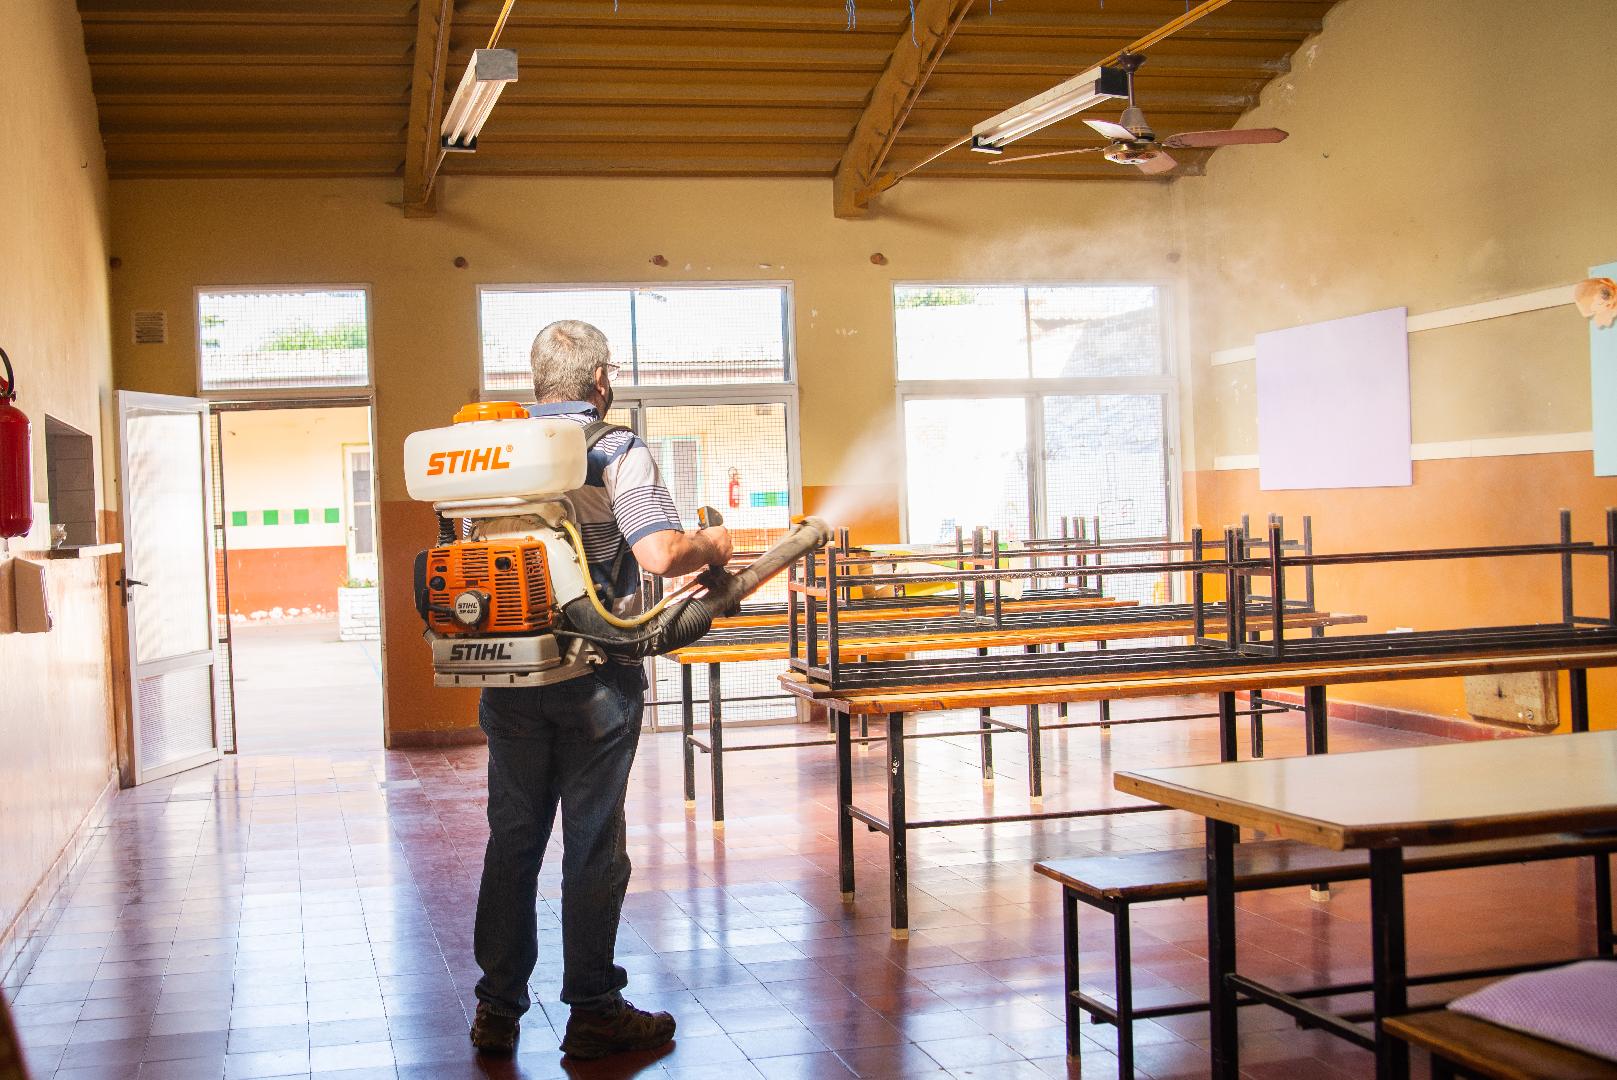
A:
[1025,405]
[294,339]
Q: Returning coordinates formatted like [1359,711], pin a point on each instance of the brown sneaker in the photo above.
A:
[593,1035]
[493,1033]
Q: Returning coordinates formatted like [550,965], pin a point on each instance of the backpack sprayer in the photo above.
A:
[511,602]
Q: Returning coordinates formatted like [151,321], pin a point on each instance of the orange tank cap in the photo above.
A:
[490,410]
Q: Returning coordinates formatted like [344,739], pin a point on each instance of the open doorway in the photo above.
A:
[296,482]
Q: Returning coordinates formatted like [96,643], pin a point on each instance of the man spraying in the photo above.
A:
[571,745]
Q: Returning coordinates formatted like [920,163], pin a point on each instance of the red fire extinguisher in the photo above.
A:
[16,473]
[735,489]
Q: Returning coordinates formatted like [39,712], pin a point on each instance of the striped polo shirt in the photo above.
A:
[623,500]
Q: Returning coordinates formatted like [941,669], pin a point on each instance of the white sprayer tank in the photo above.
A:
[530,459]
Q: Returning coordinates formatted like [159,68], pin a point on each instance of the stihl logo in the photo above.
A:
[487,459]
[469,651]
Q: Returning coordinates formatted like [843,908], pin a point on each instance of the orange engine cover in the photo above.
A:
[513,575]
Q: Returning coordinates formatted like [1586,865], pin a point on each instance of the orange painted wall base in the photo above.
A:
[1452,503]
[262,579]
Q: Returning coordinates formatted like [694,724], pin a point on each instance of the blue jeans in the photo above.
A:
[572,745]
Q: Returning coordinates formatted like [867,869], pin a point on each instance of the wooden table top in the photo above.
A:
[1489,1050]
[1169,683]
[888,646]
[1389,798]
[923,610]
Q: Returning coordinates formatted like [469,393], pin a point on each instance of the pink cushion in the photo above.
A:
[1574,1005]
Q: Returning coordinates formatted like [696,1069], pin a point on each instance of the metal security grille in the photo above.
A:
[735,458]
[225,687]
[697,335]
[252,340]
[966,466]
[176,716]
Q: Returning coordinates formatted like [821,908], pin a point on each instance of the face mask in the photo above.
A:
[607,404]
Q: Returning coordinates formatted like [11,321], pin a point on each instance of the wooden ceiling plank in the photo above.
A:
[422,155]
[912,61]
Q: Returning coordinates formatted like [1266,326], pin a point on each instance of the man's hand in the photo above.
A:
[675,554]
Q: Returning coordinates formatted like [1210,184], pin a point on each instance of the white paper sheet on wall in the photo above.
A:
[1333,404]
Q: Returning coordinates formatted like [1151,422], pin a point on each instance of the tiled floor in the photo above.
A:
[288,916]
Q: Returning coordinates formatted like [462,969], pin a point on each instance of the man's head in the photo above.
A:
[572,362]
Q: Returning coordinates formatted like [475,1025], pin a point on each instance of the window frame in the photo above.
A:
[1033,390]
[637,397]
[288,393]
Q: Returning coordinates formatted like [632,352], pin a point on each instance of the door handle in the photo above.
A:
[125,584]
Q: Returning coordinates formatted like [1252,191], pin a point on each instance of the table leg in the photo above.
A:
[1389,976]
[687,727]
[1105,706]
[1123,965]
[987,741]
[1061,709]
[1069,952]
[715,728]
[897,830]
[1255,704]
[1317,729]
[1223,1020]
[1577,685]
[1226,726]
[1035,755]
[843,724]
[1316,736]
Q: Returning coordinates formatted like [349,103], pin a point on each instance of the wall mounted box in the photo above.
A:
[1526,700]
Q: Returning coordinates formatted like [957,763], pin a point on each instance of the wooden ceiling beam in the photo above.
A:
[911,63]
[422,154]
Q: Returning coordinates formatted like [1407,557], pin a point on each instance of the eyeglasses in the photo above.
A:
[612,369]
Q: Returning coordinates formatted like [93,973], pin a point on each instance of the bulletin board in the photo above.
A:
[1333,404]
[1603,385]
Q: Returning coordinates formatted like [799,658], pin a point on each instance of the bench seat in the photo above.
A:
[1464,1043]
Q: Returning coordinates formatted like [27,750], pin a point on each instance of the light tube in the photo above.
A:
[486,75]
[1094,86]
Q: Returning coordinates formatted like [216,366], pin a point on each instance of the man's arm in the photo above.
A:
[675,554]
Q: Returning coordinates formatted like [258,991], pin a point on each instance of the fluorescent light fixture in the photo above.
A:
[486,75]
[1073,96]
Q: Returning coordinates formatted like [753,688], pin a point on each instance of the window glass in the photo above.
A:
[952,332]
[967,467]
[1095,331]
[283,339]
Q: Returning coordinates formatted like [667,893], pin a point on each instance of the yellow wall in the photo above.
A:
[56,753]
[175,235]
[1441,153]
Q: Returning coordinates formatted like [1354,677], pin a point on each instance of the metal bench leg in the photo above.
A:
[1069,951]
[715,725]
[1443,1069]
[1577,685]
[1255,704]
[843,725]
[1122,960]
[1605,942]
[1061,709]
[687,726]
[1105,706]
[1390,977]
[1226,726]
[897,829]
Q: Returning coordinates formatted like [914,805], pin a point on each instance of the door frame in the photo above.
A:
[131,770]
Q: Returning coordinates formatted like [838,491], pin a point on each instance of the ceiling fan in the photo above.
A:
[1134,143]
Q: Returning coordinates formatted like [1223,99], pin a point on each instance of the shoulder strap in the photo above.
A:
[596,430]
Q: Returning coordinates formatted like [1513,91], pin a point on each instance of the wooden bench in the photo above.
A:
[1114,883]
[1462,1045]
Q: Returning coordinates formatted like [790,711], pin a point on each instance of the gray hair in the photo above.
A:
[565,357]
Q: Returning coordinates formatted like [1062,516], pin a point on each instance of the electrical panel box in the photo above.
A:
[1526,700]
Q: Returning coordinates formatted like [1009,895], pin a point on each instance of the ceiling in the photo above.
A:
[320,88]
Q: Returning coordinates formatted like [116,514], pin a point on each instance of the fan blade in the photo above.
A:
[1111,130]
[1160,164]
[1047,153]
[1229,137]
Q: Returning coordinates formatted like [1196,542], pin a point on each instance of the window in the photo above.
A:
[701,335]
[310,340]
[1027,404]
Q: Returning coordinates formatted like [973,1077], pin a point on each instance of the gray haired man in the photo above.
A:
[572,745]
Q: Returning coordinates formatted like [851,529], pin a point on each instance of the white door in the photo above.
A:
[168,580]
[359,490]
